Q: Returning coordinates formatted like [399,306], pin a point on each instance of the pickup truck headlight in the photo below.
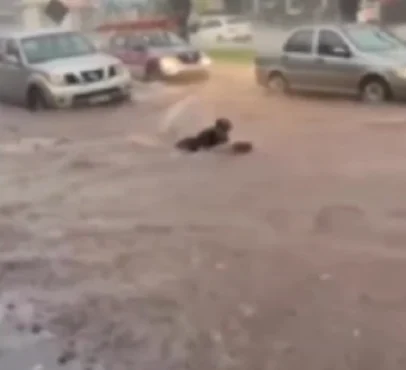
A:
[118,69]
[401,72]
[56,79]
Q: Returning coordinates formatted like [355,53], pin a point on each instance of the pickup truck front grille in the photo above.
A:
[92,76]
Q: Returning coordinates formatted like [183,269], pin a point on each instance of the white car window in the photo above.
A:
[237,20]
[213,23]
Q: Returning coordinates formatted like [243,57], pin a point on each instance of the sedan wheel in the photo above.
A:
[278,85]
[375,91]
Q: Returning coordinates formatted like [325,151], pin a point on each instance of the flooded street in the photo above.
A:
[291,257]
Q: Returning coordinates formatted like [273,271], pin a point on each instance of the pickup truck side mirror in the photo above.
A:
[342,52]
[10,58]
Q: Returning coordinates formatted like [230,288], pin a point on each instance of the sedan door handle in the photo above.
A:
[320,60]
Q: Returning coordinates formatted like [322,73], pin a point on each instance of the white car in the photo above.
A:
[223,28]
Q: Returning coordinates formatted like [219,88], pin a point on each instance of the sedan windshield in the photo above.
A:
[373,39]
[39,49]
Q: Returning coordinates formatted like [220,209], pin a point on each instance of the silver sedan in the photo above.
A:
[359,60]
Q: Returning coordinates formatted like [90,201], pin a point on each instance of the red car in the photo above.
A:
[157,54]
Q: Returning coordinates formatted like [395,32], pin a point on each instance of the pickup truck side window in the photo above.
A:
[2,48]
[329,42]
[300,42]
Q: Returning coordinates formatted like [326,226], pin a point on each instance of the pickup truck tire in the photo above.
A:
[278,84]
[35,100]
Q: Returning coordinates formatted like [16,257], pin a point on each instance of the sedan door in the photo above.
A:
[298,59]
[338,70]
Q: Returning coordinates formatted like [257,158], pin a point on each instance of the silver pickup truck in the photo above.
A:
[55,68]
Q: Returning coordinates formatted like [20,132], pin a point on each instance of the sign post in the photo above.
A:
[56,10]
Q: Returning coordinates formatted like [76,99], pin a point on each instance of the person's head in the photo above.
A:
[223,124]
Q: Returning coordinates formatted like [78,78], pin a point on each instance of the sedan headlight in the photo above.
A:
[401,72]
[206,61]
[169,65]
[56,79]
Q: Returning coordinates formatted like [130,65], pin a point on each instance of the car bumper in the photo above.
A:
[99,92]
[186,71]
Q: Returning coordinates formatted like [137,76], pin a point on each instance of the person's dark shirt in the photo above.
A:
[211,137]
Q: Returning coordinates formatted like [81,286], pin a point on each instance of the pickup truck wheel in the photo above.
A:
[375,91]
[277,84]
[36,100]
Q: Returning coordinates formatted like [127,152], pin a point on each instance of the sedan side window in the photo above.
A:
[300,42]
[331,44]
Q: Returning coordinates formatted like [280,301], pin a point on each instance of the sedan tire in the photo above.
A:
[375,91]
[277,84]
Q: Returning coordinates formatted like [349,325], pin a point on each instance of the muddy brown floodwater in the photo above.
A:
[289,258]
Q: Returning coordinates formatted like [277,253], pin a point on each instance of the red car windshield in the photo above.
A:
[161,39]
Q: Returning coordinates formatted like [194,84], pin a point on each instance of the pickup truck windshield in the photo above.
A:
[44,48]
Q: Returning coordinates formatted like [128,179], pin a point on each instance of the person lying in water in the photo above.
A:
[208,138]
